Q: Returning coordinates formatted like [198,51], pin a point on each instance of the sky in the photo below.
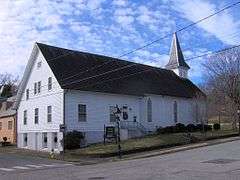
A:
[114,27]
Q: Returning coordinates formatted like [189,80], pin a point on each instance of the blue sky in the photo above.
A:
[113,27]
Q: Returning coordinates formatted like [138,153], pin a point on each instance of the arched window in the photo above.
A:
[175,111]
[149,110]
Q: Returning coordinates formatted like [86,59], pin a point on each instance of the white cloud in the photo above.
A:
[220,25]
[120,2]
[22,23]
[152,59]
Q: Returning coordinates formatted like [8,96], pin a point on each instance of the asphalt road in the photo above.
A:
[218,162]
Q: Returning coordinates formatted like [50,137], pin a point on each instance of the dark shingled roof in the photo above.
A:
[74,70]
[176,55]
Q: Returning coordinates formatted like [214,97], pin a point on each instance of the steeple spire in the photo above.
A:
[176,61]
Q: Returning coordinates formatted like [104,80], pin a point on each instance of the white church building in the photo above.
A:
[80,90]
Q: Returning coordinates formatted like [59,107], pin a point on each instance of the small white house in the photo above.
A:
[80,90]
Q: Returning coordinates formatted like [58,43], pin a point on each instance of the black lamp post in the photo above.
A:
[117,115]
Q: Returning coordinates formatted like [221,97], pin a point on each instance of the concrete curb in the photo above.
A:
[180,148]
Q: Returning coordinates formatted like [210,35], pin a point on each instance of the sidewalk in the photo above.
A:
[179,148]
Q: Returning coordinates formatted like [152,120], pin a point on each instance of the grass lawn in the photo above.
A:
[148,143]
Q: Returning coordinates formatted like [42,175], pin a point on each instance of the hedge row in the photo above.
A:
[182,128]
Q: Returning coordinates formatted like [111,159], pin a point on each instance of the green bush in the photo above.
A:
[72,139]
[207,127]
[216,126]
[199,127]
[180,127]
[191,128]
[166,130]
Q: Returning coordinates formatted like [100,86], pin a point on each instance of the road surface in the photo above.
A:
[218,162]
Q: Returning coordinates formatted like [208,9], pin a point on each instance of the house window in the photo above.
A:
[35,88]
[0,125]
[82,113]
[36,115]
[49,114]
[45,140]
[25,140]
[39,86]
[112,115]
[149,110]
[27,94]
[49,83]
[25,117]
[175,111]
[10,124]
[39,64]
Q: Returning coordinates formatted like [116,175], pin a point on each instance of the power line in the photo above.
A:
[215,52]
[116,78]
[179,30]
[233,35]
[101,74]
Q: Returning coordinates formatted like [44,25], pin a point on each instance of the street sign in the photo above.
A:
[110,132]
[62,127]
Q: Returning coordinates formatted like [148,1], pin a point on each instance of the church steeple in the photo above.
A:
[176,61]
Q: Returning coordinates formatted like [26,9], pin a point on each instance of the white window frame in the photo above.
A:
[27,94]
[149,110]
[10,125]
[82,116]
[49,114]
[35,88]
[49,83]
[44,144]
[25,117]
[36,116]
[39,87]
[39,64]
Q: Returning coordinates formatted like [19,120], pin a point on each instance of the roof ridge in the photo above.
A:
[104,56]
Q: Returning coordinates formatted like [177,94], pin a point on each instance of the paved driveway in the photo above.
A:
[218,162]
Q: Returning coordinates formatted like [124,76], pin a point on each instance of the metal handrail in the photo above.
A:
[133,125]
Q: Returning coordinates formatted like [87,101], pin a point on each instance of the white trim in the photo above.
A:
[26,74]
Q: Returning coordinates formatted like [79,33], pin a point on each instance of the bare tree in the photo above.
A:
[223,76]
[10,84]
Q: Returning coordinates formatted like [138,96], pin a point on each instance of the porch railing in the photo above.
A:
[133,125]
